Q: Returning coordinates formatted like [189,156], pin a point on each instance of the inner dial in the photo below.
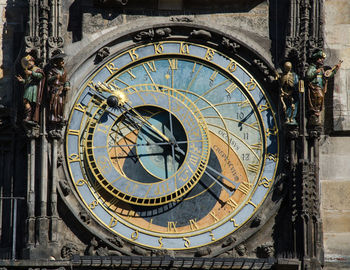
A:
[157,146]
[141,153]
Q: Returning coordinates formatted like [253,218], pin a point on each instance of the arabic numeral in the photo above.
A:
[245,156]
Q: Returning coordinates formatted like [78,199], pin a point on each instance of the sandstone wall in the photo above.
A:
[335,149]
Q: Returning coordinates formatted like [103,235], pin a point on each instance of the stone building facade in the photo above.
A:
[300,222]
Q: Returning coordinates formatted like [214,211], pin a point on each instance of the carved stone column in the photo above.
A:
[32,134]
[56,136]
[55,39]
[32,39]
[43,223]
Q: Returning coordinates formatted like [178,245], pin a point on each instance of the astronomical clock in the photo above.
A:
[171,145]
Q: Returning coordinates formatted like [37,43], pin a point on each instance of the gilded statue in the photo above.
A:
[289,94]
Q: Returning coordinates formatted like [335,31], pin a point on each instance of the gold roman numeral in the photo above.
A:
[254,168]
[172,63]
[231,202]
[74,132]
[152,66]
[256,146]
[213,76]
[245,187]
[232,87]
[193,224]
[172,226]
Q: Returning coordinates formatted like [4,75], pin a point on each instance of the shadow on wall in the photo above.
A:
[110,10]
[279,11]
[12,182]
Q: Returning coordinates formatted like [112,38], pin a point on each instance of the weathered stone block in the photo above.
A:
[335,194]
[336,221]
[337,243]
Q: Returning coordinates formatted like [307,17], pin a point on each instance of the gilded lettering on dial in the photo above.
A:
[152,66]
[245,187]
[184,49]
[232,203]
[172,226]
[214,216]
[272,157]
[250,84]
[231,88]
[104,164]
[111,68]
[263,107]
[213,76]
[135,235]
[133,55]
[234,222]
[103,128]
[253,167]
[184,176]
[73,158]
[212,236]
[113,222]
[160,242]
[173,64]
[80,107]
[74,132]
[133,77]
[162,188]
[251,203]
[232,66]
[265,182]
[158,48]
[81,182]
[193,224]
[187,242]
[93,204]
[209,55]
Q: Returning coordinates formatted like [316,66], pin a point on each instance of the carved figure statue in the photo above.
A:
[289,93]
[317,80]
[57,86]
[33,82]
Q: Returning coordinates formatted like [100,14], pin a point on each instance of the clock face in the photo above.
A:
[172,145]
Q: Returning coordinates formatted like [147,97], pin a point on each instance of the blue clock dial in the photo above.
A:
[186,154]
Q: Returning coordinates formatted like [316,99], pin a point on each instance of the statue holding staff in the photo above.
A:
[57,86]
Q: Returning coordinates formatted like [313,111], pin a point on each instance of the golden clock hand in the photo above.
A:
[223,176]
[119,98]
[221,184]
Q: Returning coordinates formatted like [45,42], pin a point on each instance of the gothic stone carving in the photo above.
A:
[152,34]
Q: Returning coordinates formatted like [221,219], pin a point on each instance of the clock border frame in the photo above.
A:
[250,58]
